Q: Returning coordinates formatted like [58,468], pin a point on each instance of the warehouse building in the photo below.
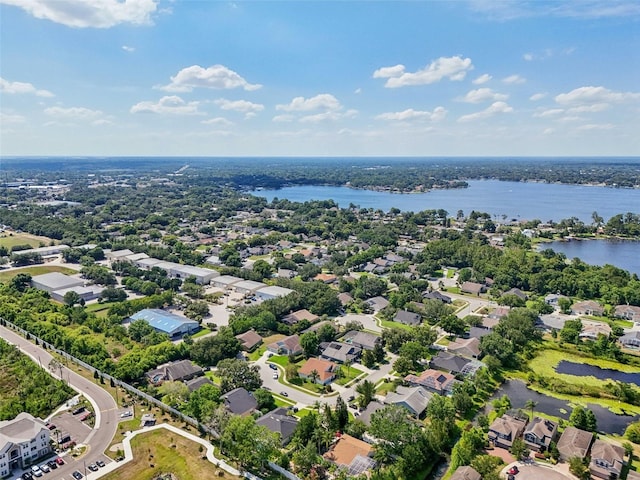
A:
[273,291]
[248,287]
[225,281]
[90,292]
[166,322]
[50,282]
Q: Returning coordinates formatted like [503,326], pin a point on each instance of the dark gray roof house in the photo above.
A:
[466,473]
[407,318]
[195,383]
[448,362]
[574,443]
[517,292]
[435,295]
[414,399]
[179,371]
[340,352]
[364,340]
[239,401]
[630,340]
[278,421]
[539,434]
[377,303]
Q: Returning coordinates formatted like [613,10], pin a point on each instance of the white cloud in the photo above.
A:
[596,126]
[596,107]
[7,118]
[80,113]
[549,113]
[528,57]
[594,95]
[453,68]
[482,79]
[410,114]
[483,95]
[513,80]
[330,115]
[101,122]
[215,76]
[321,101]
[284,118]
[250,109]
[502,11]
[22,87]
[217,121]
[89,13]
[169,104]
[128,49]
[537,96]
[357,91]
[493,109]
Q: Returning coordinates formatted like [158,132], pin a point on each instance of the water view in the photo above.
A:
[584,370]
[519,200]
[519,393]
[621,253]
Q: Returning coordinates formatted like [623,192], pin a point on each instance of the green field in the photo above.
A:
[33,271]
[11,240]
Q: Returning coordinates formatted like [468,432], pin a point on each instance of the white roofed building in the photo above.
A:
[23,441]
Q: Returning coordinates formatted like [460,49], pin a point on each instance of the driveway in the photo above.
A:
[367,321]
[535,471]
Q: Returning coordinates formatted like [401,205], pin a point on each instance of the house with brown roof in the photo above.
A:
[607,460]
[287,346]
[591,330]
[350,453]
[473,288]
[249,340]
[325,370]
[178,371]
[433,380]
[298,316]
[466,473]
[327,278]
[504,430]
[539,434]
[465,347]
[628,312]
[574,443]
[587,307]
[345,298]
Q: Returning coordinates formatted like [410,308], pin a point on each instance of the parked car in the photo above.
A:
[27,476]
[51,426]
[513,470]
[284,394]
[78,410]
[275,375]
[35,469]
[59,461]
[100,463]
[272,366]
[126,414]
[52,464]
[93,467]
[77,475]
[45,468]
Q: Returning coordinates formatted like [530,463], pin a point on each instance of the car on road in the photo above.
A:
[513,470]
[77,475]
[284,394]
[59,461]
[270,355]
[126,414]
[100,463]
[272,366]
[36,471]
[275,375]
[351,399]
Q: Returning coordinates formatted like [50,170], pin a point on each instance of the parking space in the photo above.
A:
[71,424]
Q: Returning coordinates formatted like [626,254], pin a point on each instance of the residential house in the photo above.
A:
[630,340]
[365,415]
[466,347]
[407,318]
[377,303]
[607,460]
[280,422]
[352,454]
[435,295]
[285,273]
[540,433]
[591,330]
[628,312]
[363,340]
[298,316]
[414,399]
[465,473]
[287,346]
[327,278]
[179,371]
[345,298]
[249,340]
[448,362]
[518,293]
[239,401]
[587,307]
[340,352]
[504,430]
[433,380]
[574,443]
[325,370]
[473,288]
[499,313]
[478,332]
[195,383]
[552,298]
[23,441]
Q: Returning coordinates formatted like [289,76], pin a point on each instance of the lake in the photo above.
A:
[584,370]
[621,253]
[519,393]
[519,200]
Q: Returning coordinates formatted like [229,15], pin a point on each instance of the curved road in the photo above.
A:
[105,407]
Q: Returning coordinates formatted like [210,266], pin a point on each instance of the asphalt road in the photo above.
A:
[105,407]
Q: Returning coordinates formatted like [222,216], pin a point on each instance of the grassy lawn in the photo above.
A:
[202,332]
[33,271]
[452,290]
[385,387]
[162,451]
[390,324]
[11,240]
[348,374]
[282,360]
[256,354]
[451,273]
[444,341]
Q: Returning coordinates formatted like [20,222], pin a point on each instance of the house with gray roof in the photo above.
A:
[448,362]
[239,401]
[466,347]
[630,340]
[473,288]
[539,434]
[587,307]
[280,422]
[628,312]
[365,415]
[574,443]
[179,371]
[607,460]
[23,441]
[363,340]
[377,303]
[340,352]
[407,318]
[504,430]
[414,399]
[435,295]
[195,383]
[466,473]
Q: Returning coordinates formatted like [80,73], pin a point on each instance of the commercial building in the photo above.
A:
[90,292]
[23,441]
[271,292]
[50,282]
[166,322]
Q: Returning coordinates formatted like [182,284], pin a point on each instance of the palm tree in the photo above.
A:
[347,363]
[314,376]
[367,391]
[530,405]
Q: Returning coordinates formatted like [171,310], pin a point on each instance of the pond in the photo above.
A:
[584,370]
[519,393]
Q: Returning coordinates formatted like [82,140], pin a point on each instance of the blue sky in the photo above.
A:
[418,78]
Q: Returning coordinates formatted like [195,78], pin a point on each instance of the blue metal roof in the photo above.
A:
[165,321]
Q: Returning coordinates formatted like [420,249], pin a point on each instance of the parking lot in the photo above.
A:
[535,472]
[71,424]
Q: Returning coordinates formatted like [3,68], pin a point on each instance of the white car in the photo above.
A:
[126,414]
[275,376]
[35,469]
[45,468]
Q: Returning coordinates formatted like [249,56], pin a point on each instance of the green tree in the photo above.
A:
[265,400]
[262,269]
[238,373]
[519,449]
[565,305]
[367,391]
[341,414]
[633,432]
[210,350]
[530,405]
[309,342]
[250,444]
[71,298]
[579,468]
[368,358]
[174,394]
